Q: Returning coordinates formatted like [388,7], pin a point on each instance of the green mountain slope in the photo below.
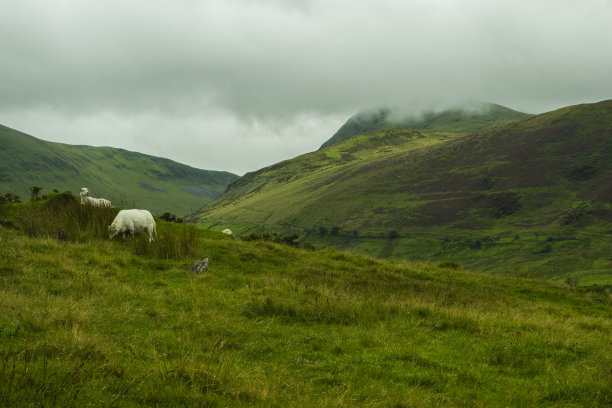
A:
[137,179]
[125,323]
[531,192]
[459,119]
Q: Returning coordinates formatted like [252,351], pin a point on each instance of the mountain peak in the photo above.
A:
[471,116]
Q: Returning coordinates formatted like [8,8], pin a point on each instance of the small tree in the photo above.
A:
[168,216]
[34,191]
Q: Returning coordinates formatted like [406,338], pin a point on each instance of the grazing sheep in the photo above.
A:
[133,222]
[96,202]
[227,231]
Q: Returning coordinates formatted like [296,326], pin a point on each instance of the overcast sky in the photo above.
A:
[237,85]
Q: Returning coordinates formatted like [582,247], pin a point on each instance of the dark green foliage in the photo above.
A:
[60,201]
[34,193]
[254,236]
[11,198]
[169,217]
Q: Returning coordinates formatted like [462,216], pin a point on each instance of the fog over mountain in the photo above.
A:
[237,85]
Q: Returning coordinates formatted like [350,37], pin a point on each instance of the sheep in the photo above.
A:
[133,222]
[227,231]
[96,202]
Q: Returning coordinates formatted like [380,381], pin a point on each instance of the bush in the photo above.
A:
[287,240]
[11,198]
[169,217]
[253,236]
[573,215]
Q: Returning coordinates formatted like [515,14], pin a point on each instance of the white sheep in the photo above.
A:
[227,231]
[133,222]
[96,202]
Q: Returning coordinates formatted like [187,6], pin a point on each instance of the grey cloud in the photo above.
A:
[274,62]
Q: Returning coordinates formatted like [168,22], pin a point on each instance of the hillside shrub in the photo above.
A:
[254,236]
[576,213]
[169,217]
[11,198]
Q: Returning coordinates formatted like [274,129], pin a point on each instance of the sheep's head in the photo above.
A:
[84,191]
[112,231]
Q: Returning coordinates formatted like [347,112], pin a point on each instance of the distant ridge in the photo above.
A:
[155,183]
[472,118]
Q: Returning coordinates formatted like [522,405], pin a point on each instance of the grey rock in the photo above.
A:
[200,266]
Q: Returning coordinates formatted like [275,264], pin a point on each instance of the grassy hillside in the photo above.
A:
[145,181]
[523,198]
[458,119]
[92,322]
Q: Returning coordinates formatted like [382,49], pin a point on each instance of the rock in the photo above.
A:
[200,266]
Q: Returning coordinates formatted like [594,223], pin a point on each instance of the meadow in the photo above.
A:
[91,322]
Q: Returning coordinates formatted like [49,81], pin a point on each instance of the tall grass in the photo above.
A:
[62,217]
[173,242]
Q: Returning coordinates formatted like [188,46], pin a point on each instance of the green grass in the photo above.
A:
[94,322]
[150,182]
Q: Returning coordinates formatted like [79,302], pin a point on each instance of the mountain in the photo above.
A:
[470,118]
[124,177]
[531,194]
